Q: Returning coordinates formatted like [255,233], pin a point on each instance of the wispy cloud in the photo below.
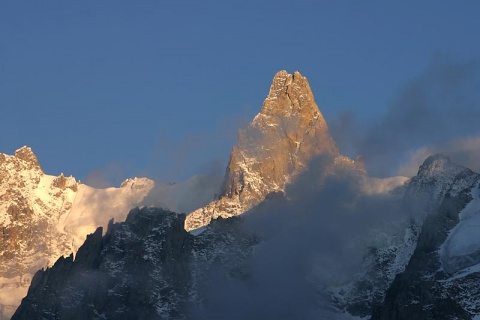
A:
[316,239]
[441,104]
[464,151]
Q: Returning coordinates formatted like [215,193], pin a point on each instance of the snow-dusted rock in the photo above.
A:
[147,267]
[462,247]
[433,286]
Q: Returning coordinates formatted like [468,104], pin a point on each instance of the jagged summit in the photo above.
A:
[435,177]
[439,167]
[295,90]
[26,154]
[280,140]
[278,144]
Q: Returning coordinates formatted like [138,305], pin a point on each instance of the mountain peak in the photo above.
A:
[438,164]
[438,159]
[289,94]
[26,154]
[277,145]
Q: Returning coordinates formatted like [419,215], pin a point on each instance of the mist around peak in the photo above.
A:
[437,111]
[314,240]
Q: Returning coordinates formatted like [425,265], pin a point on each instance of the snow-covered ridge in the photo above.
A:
[44,217]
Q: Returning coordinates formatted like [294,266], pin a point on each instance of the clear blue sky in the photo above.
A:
[159,88]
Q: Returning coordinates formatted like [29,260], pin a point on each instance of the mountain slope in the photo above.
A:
[144,268]
[441,278]
[422,197]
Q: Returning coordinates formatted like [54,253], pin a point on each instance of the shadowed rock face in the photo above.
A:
[115,276]
[147,267]
[288,132]
[425,290]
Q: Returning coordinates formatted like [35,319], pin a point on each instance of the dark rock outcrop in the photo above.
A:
[114,276]
[424,290]
[147,267]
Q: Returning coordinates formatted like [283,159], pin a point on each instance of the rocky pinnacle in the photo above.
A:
[26,154]
[277,145]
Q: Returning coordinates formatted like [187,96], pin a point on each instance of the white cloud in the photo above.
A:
[464,151]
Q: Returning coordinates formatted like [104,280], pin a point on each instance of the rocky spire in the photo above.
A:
[289,93]
[26,154]
[278,144]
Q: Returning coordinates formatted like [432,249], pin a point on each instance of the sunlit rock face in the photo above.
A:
[43,217]
[30,205]
[277,145]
